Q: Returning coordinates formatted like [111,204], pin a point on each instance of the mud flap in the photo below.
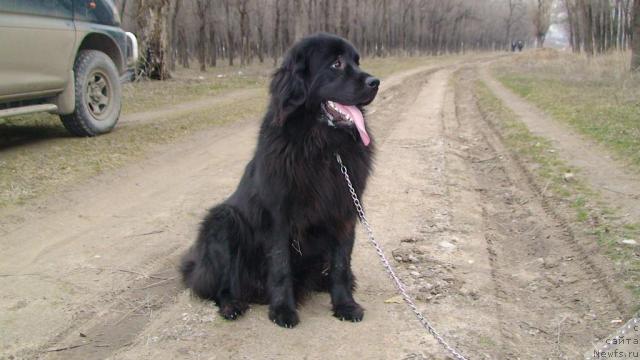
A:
[67,98]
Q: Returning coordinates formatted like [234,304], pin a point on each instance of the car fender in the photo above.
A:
[108,39]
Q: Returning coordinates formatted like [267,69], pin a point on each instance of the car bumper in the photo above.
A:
[132,50]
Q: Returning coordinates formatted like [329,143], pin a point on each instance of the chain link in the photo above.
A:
[397,282]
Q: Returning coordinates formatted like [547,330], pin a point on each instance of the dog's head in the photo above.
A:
[321,75]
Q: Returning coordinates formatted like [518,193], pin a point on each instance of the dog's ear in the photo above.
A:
[288,89]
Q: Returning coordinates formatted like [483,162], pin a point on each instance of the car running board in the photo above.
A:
[28,110]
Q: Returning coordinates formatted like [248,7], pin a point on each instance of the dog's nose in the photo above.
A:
[372,82]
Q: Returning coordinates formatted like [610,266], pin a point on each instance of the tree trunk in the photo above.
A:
[635,44]
[173,35]
[154,41]
[575,38]
[286,25]
[123,7]
[586,21]
[327,15]
[384,35]
[244,31]
[298,27]
[213,48]
[344,19]
[230,38]
[542,20]
[183,49]
[276,35]
[509,23]
[260,42]
[203,40]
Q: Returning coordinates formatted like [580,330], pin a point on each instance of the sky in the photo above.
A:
[556,37]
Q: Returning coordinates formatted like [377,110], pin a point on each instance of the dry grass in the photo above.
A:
[598,96]
[383,67]
[191,85]
[612,68]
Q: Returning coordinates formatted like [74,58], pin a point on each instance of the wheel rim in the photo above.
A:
[98,94]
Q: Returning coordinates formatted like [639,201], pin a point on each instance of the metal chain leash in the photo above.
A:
[397,282]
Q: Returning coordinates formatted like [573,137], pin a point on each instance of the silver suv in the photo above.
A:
[65,57]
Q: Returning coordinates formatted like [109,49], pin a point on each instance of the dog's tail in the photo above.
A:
[187,266]
[197,276]
[207,265]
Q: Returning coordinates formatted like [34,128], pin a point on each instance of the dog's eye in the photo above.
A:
[338,64]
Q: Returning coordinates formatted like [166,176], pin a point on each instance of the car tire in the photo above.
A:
[98,95]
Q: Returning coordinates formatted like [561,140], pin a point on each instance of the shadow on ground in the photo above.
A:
[14,134]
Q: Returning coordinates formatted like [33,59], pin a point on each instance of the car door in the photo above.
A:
[37,42]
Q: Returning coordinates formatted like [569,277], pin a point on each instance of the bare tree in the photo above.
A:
[586,17]
[213,42]
[260,41]
[123,6]
[173,34]
[213,29]
[515,13]
[344,19]
[276,34]
[152,18]
[243,12]
[230,46]
[541,20]
[598,26]
[573,24]
[202,7]
[635,47]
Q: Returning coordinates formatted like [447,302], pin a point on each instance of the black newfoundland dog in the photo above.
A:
[289,227]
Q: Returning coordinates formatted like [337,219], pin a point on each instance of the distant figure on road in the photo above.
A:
[517,45]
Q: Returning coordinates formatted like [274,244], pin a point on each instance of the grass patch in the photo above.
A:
[486,342]
[383,67]
[590,214]
[597,96]
[189,85]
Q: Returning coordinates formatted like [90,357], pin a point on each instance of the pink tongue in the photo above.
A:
[358,119]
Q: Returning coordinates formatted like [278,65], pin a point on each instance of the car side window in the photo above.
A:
[50,8]
[97,11]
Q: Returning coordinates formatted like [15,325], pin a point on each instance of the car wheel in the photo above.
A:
[98,95]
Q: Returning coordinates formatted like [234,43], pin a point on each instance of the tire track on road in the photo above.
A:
[552,287]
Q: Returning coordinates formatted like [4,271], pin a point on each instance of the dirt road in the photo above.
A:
[91,274]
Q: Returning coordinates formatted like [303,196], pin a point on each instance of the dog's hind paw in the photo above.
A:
[349,312]
[284,316]
[233,310]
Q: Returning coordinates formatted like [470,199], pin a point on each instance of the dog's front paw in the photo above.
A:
[349,311]
[232,310]
[284,316]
